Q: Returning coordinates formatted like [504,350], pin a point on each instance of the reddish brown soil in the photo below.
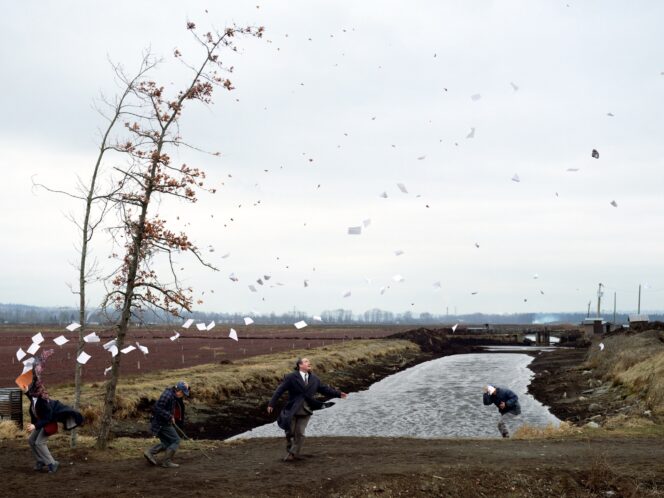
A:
[350,467]
[192,348]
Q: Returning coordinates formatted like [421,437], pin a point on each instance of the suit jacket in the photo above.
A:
[503,394]
[44,411]
[298,393]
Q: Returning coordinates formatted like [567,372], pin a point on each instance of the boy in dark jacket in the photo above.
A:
[507,403]
[166,414]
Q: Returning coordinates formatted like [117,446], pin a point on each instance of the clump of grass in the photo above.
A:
[647,377]
[564,429]
[9,430]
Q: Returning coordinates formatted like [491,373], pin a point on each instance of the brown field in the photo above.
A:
[191,348]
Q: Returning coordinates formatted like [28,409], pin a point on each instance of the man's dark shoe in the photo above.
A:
[53,467]
[291,458]
[39,466]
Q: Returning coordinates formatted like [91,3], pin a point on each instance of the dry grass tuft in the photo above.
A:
[9,430]
[565,429]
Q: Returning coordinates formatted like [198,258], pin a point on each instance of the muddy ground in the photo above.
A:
[352,467]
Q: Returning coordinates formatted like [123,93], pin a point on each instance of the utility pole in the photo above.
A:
[614,308]
[638,312]
[599,299]
[589,303]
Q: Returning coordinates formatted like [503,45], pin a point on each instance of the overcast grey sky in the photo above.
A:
[364,89]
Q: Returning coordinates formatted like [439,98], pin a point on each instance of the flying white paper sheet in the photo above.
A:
[317,318]
[188,323]
[614,204]
[354,230]
[34,347]
[383,195]
[366,222]
[398,278]
[300,325]
[248,321]
[382,290]
[113,350]
[73,326]
[516,178]
[106,370]
[26,368]
[455,327]
[93,337]
[60,340]
[252,288]
[210,325]
[514,87]
[174,337]
[233,335]
[471,134]
[83,358]
[38,338]
[143,349]
[226,255]
[437,285]
[398,252]
[110,343]
[29,362]
[347,294]
[402,187]
[601,346]
[201,326]
[475,97]
[20,354]
[128,349]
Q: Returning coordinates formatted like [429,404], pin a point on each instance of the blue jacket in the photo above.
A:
[298,393]
[164,410]
[503,394]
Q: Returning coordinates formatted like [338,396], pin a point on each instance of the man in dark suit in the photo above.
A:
[508,406]
[302,386]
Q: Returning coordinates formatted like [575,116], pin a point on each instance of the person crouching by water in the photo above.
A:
[45,414]
[302,386]
[507,403]
[167,414]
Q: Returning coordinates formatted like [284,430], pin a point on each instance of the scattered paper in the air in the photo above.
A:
[128,349]
[601,346]
[34,347]
[383,195]
[188,323]
[252,288]
[347,294]
[73,326]
[471,134]
[595,154]
[83,358]
[210,326]
[28,363]
[614,204]
[92,337]
[174,337]
[514,87]
[366,222]
[535,276]
[421,158]
[106,370]
[38,338]
[306,283]
[226,255]
[382,290]
[110,343]
[475,97]
[60,340]
[317,318]
[26,368]
[248,320]
[516,178]
[233,335]
[113,349]
[201,326]
[300,325]
[402,187]
[572,170]
[143,349]
[398,252]
[398,278]
[354,230]
[233,277]
[20,354]
[454,327]
[437,285]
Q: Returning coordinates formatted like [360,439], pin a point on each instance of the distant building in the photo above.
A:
[634,319]
[596,325]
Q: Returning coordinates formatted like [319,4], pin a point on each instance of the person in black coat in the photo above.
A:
[508,406]
[302,386]
[45,414]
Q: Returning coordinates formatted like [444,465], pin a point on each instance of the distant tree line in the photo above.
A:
[35,315]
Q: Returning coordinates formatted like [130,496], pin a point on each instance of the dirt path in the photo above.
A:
[357,468]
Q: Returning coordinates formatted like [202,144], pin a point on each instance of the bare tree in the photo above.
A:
[148,177]
[91,196]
